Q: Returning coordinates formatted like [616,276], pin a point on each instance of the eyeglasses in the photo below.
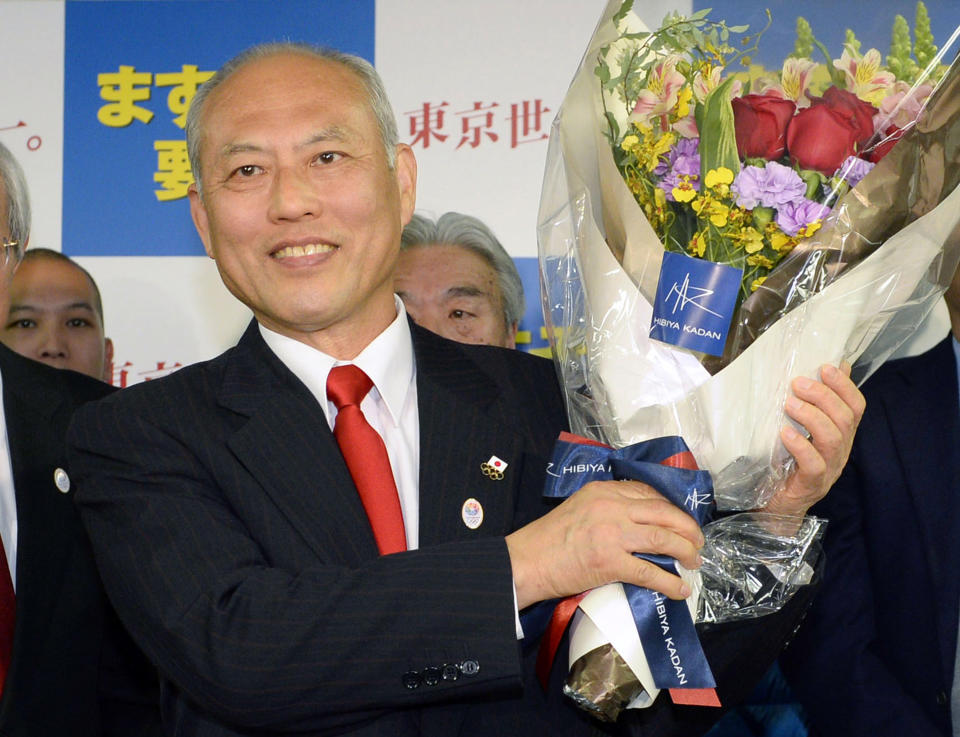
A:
[12,252]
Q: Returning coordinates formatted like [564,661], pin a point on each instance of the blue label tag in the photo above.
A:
[694,303]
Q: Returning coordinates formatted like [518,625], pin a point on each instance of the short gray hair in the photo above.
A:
[456,229]
[376,93]
[18,197]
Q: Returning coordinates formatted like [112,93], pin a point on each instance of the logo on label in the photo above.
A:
[695,500]
[687,295]
[694,303]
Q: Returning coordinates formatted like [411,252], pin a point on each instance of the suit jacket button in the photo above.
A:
[431,676]
[450,672]
[942,698]
[470,667]
[412,679]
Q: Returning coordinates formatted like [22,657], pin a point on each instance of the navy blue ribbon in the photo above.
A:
[665,627]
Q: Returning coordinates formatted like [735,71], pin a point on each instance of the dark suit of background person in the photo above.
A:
[251,499]
[70,674]
[876,654]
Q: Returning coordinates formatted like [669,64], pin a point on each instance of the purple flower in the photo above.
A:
[774,185]
[682,161]
[749,186]
[854,169]
[793,216]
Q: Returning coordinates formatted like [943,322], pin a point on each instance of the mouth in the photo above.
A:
[306,249]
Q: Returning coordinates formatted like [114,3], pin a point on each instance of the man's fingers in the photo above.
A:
[662,541]
[651,576]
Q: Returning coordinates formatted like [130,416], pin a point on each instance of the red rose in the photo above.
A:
[834,127]
[821,138]
[761,125]
[887,141]
[860,112]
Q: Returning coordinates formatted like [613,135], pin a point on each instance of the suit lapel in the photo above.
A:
[287,446]
[461,427]
[33,418]
[925,423]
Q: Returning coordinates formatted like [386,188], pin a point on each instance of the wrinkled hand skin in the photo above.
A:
[590,538]
[830,410]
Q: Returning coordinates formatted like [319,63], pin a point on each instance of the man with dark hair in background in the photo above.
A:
[67,668]
[456,280]
[56,315]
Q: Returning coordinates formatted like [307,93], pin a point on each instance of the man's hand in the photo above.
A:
[830,410]
[590,538]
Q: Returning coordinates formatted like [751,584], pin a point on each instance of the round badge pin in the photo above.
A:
[472,513]
[61,480]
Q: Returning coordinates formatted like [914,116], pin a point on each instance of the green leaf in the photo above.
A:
[718,136]
[614,128]
[622,13]
[836,76]
[603,72]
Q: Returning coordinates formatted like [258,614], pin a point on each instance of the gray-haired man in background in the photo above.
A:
[456,280]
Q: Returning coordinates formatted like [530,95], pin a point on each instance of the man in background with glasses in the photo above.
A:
[66,666]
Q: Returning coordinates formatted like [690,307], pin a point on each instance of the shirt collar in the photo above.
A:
[387,360]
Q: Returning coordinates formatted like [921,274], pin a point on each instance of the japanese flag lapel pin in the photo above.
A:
[494,468]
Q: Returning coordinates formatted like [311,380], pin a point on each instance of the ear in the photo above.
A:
[406,173]
[108,360]
[511,336]
[200,221]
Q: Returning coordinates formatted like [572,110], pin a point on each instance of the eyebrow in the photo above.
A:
[331,133]
[465,291]
[27,307]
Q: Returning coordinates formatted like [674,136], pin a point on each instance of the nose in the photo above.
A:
[52,345]
[293,196]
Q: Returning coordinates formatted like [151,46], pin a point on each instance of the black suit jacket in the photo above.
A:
[234,546]
[72,672]
[876,656]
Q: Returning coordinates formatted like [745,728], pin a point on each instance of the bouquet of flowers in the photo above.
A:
[709,230]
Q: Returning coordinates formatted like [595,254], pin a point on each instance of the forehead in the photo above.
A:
[41,278]
[447,265]
[267,95]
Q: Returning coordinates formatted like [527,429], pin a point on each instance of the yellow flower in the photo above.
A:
[758,259]
[719,176]
[683,102]
[752,240]
[629,142]
[684,191]
[780,241]
[718,214]
[698,245]
[755,284]
[809,229]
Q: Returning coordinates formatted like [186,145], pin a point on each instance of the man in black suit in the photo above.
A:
[70,670]
[228,529]
[878,655]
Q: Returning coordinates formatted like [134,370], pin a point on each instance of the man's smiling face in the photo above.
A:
[300,208]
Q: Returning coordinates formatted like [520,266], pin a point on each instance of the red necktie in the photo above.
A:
[8,609]
[366,457]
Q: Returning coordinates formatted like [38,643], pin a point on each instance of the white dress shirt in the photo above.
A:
[8,499]
[390,407]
